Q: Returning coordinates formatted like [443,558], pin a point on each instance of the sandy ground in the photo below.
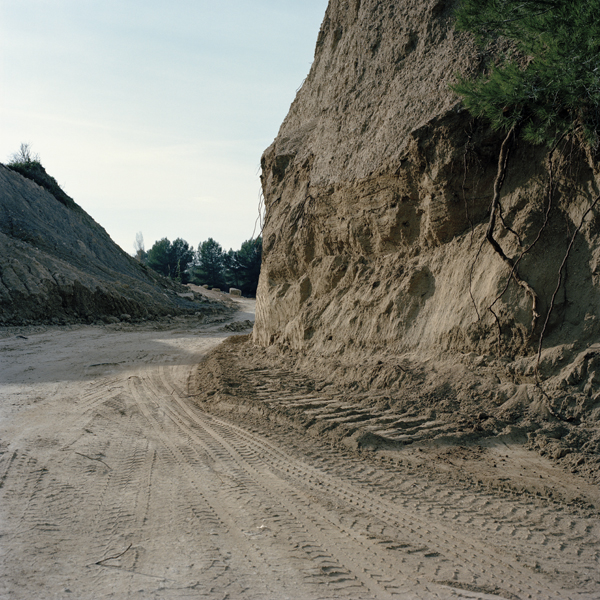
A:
[115,482]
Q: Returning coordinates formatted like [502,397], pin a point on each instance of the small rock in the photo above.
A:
[561,452]
[238,326]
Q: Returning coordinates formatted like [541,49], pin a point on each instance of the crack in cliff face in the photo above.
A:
[373,169]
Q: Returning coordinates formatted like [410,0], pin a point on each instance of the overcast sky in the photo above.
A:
[153,114]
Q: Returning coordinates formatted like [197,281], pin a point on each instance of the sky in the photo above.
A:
[153,114]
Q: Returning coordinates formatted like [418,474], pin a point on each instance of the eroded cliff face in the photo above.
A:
[377,193]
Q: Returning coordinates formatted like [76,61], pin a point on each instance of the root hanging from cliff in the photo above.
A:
[466,202]
[538,236]
[260,219]
[558,284]
[471,278]
[489,235]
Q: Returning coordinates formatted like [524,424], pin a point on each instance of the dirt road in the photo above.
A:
[114,483]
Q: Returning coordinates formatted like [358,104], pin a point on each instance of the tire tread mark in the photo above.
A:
[525,581]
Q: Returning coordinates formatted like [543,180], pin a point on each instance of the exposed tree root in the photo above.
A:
[489,234]
[471,227]
[558,283]
[506,226]
[471,279]
[537,238]
[260,219]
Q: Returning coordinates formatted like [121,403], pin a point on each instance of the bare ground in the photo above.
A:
[127,472]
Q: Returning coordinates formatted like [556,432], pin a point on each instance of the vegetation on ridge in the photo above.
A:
[208,265]
[28,165]
[550,82]
[545,89]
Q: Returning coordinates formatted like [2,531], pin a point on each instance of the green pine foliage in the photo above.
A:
[171,259]
[209,265]
[243,266]
[550,82]
[235,268]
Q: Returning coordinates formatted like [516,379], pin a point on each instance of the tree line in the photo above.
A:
[208,265]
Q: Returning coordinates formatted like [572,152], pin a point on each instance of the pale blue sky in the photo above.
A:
[153,114]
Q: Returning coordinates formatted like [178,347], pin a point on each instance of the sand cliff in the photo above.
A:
[376,273]
[377,192]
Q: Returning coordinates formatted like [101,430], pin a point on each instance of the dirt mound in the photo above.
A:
[460,404]
[58,265]
[376,273]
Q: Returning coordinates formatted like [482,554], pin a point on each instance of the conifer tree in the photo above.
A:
[544,87]
[549,81]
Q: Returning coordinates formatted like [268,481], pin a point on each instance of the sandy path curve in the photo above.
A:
[114,483]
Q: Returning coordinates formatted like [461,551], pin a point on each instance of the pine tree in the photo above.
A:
[171,259]
[209,268]
[549,82]
[243,266]
[544,87]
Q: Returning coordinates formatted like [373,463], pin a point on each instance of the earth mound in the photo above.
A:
[57,265]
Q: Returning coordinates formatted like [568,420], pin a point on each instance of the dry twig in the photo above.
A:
[92,458]
[114,557]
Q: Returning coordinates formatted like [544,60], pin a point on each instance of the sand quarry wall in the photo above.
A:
[377,192]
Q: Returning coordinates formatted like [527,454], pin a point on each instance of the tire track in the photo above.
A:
[209,508]
[519,582]
[211,504]
[414,536]
[488,512]
[247,485]
[530,583]
[485,513]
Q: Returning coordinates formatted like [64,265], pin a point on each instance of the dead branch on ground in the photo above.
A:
[92,458]
[113,557]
